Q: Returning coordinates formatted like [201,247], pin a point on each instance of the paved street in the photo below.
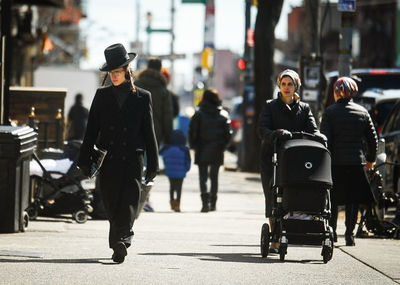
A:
[219,247]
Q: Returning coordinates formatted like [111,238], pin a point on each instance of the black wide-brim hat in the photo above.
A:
[116,57]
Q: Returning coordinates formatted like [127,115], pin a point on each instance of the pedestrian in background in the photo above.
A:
[121,122]
[177,163]
[77,119]
[155,82]
[278,119]
[152,80]
[353,144]
[209,135]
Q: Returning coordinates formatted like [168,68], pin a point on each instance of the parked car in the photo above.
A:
[236,115]
[379,103]
[391,134]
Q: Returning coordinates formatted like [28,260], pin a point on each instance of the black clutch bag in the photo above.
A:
[96,160]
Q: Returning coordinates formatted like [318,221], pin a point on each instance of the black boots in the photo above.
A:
[119,252]
[349,240]
[205,200]
[209,202]
[213,201]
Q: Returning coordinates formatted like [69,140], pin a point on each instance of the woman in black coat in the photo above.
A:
[278,119]
[353,144]
[209,135]
[120,121]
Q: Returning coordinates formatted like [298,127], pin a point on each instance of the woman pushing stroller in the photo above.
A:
[279,118]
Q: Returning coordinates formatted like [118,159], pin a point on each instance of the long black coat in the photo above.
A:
[126,133]
[209,134]
[277,115]
[352,141]
[351,134]
[153,81]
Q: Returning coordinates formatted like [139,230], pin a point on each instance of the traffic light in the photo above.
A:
[241,64]
[207,58]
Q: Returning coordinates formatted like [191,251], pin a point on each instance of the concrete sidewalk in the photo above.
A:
[219,247]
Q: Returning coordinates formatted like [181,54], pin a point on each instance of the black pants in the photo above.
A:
[121,222]
[175,186]
[266,180]
[351,217]
[205,171]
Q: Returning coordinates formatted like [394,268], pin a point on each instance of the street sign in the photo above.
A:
[194,1]
[172,56]
[150,30]
[347,5]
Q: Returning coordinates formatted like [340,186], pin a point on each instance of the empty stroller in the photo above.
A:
[301,184]
[55,191]
[382,216]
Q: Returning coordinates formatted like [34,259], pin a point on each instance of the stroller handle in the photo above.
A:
[303,135]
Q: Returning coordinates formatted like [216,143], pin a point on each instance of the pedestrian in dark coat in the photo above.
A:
[155,82]
[77,119]
[120,121]
[279,118]
[209,135]
[353,144]
[177,162]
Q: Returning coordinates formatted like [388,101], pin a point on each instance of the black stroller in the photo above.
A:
[301,184]
[382,217]
[55,193]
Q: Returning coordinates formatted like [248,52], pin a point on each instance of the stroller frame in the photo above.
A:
[381,217]
[43,202]
[283,231]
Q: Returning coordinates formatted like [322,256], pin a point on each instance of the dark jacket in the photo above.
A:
[126,133]
[277,114]
[153,81]
[176,156]
[351,134]
[77,119]
[209,134]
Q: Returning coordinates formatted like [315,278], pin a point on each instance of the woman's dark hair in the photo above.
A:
[211,96]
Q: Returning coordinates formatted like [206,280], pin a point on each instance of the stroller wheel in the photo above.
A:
[24,222]
[80,216]
[264,240]
[327,253]
[33,213]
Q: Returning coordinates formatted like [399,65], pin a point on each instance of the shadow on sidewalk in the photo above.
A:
[102,260]
[234,257]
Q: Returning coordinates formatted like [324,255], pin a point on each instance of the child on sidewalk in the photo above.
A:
[177,162]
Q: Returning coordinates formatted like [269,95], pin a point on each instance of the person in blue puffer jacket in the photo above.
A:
[177,163]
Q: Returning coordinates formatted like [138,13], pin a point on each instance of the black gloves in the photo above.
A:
[150,175]
[282,134]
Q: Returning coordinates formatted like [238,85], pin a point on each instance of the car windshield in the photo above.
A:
[382,81]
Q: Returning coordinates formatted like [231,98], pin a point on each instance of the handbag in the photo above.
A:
[96,161]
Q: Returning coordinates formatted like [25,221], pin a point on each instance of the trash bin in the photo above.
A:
[16,147]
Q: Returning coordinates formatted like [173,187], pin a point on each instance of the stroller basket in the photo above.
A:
[309,199]
[302,232]
[304,162]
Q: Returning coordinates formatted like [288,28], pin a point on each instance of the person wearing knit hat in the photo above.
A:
[352,142]
[278,119]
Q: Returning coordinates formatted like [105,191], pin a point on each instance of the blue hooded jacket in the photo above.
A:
[176,155]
